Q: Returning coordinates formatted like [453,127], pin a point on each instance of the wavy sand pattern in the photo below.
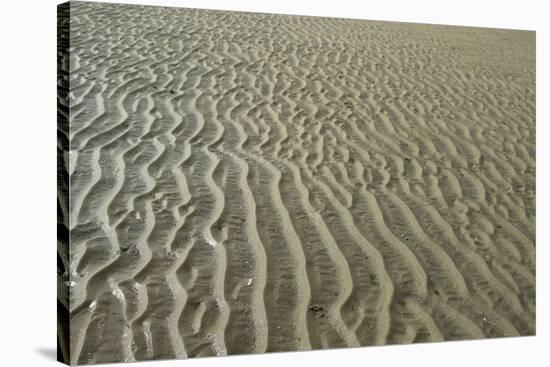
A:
[248,183]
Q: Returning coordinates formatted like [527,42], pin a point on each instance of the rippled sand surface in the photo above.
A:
[249,183]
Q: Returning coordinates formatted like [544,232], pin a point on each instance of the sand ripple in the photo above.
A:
[243,183]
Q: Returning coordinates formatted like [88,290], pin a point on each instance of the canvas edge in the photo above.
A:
[63,240]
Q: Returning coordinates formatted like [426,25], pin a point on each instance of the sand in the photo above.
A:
[250,183]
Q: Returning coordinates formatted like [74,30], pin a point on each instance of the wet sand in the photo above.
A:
[250,183]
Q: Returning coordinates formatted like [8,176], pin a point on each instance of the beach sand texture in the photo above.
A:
[250,183]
